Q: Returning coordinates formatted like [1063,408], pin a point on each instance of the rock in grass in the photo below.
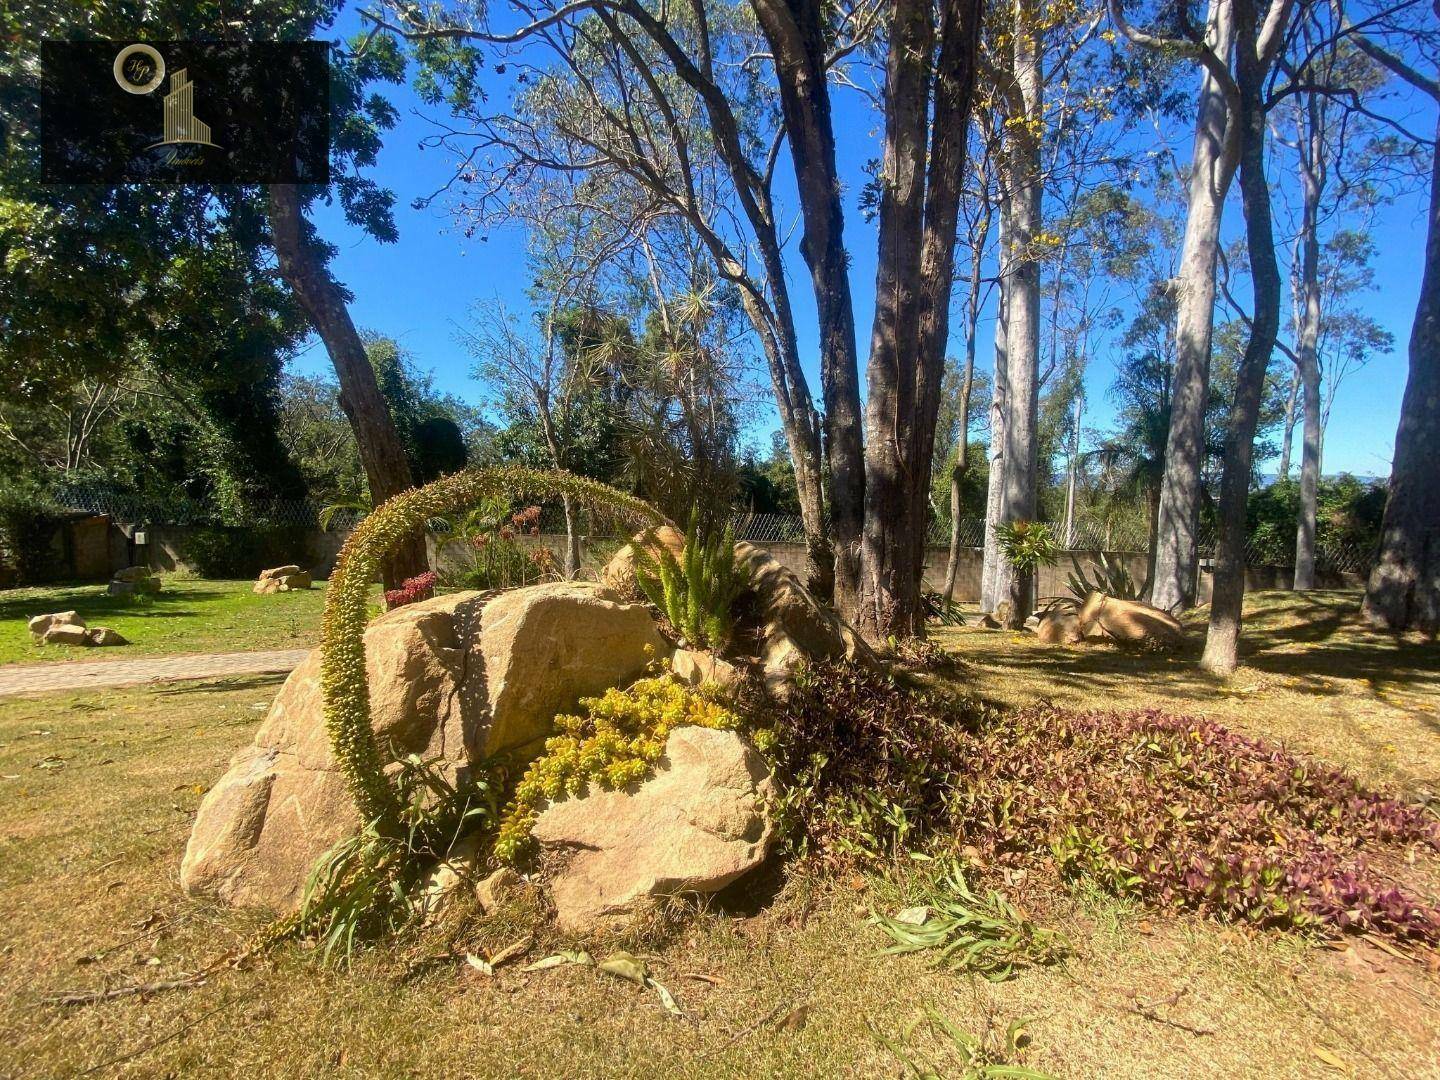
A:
[1057,627]
[132,581]
[278,579]
[68,634]
[103,636]
[1129,622]
[694,827]
[41,623]
[453,679]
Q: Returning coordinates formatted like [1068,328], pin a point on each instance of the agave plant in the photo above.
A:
[1112,578]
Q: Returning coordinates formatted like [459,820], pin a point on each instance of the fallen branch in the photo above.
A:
[89,997]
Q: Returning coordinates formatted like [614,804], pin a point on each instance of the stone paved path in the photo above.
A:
[42,678]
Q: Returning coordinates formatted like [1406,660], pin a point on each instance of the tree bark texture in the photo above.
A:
[1227,599]
[967,386]
[993,582]
[1404,588]
[1307,338]
[794,32]
[1213,162]
[382,454]
[1022,331]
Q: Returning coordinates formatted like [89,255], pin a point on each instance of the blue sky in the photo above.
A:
[416,289]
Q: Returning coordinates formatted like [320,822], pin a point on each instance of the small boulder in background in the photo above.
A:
[282,579]
[133,581]
[68,634]
[694,827]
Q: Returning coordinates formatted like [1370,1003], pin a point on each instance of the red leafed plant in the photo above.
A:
[1178,811]
[419,587]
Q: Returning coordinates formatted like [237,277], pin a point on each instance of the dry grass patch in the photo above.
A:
[100,789]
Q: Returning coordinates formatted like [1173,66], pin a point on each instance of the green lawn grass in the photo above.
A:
[189,615]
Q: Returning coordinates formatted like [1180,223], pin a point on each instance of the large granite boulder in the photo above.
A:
[794,626]
[619,572]
[1128,622]
[456,678]
[280,579]
[694,827]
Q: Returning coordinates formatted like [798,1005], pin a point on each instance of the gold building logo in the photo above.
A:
[181,125]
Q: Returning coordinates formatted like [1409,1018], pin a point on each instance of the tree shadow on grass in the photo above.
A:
[256,681]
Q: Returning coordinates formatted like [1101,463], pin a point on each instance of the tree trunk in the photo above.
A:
[967,386]
[1404,588]
[1288,426]
[1212,169]
[890,587]
[793,29]
[993,581]
[572,539]
[1227,600]
[1022,331]
[381,452]
[1307,340]
[1152,499]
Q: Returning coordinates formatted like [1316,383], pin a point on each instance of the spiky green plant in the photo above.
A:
[342,648]
[696,592]
[1027,545]
[1112,578]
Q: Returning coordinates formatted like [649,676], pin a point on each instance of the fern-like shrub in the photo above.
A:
[696,592]
[614,740]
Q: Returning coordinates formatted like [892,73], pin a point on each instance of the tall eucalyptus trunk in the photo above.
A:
[1213,162]
[1404,588]
[994,568]
[1228,596]
[1307,340]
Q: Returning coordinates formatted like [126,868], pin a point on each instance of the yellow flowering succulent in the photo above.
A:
[612,742]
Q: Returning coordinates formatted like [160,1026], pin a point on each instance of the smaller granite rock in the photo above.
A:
[104,636]
[694,667]
[68,634]
[459,867]
[1059,627]
[41,623]
[694,827]
[619,572]
[132,581]
[496,889]
[1129,622]
[278,579]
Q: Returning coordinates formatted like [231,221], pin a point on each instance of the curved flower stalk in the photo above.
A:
[342,649]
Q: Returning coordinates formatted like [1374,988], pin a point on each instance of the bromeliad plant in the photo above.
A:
[613,741]
[696,592]
[1027,545]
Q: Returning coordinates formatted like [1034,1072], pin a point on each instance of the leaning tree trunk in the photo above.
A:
[1212,169]
[1228,596]
[1404,588]
[382,455]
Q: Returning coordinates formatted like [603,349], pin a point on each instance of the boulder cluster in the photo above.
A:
[280,579]
[461,677]
[1107,618]
[68,628]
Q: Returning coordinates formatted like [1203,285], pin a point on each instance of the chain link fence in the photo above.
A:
[1085,533]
